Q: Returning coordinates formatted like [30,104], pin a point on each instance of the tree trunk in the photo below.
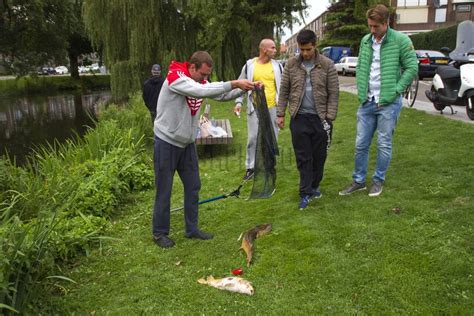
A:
[73,65]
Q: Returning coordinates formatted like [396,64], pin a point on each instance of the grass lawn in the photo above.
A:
[408,251]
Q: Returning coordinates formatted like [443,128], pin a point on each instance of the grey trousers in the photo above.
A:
[167,159]
[252,131]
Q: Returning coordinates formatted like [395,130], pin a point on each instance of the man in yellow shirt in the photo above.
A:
[267,70]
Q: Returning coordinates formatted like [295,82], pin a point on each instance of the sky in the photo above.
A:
[316,7]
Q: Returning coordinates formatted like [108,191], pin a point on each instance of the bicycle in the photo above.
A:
[411,92]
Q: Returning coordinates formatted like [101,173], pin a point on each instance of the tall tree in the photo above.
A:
[78,42]
[32,33]
[232,30]
[346,23]
[37,32]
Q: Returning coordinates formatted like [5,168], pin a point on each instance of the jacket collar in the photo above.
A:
[316,58]
[388,37]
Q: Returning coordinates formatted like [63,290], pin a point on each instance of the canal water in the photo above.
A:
[31,121]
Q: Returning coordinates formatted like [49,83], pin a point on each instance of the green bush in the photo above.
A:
[73,236]
[436,39]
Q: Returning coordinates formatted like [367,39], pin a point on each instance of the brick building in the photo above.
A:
[415,16]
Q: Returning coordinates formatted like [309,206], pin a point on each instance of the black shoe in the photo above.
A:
[199,234]
[163,241]
[249,174]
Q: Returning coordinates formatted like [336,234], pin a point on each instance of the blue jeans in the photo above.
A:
[370,119]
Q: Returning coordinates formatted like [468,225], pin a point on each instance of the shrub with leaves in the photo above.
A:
[26,259]
[74,236]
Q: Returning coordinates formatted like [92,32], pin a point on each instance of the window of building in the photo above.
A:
[440,15]
[463,7]
[411,3]
[443,2]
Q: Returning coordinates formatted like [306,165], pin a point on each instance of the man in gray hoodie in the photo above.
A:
[175,129]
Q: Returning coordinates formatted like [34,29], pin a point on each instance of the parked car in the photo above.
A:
[61,70]
[347,65]
[95,67]
[428,62]
[82,69]
[336,52]
[46,71]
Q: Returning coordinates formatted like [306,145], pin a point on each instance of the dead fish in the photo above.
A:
[232,284]
[250,236]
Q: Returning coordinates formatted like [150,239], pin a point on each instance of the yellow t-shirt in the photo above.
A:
[264,73]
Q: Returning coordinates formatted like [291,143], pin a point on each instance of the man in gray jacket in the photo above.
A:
[175,130]
[268,71]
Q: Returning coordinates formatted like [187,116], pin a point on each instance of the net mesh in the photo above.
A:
[266,150]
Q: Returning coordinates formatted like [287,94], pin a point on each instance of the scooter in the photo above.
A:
[455,85]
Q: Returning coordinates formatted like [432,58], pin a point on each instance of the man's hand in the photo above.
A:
[243,84]
[280,121]
[258,84]
[237,108]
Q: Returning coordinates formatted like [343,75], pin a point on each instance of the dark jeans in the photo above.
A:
[310,143]
[167,159]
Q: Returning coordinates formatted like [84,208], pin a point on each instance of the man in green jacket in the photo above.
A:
[387,64]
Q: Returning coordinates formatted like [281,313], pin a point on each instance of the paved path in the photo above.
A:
[421,103]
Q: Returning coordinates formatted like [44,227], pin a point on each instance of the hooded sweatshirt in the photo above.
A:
[179,103]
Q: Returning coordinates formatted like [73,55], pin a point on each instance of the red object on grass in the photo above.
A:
[238,271]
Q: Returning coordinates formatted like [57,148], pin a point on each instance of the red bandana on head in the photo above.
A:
[178,70]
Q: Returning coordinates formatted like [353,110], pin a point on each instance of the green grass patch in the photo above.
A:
[343,255]
[43,84]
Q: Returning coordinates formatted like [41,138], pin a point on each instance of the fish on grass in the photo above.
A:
[249,237]
[232,284]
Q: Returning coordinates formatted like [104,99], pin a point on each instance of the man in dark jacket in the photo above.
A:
[151,90]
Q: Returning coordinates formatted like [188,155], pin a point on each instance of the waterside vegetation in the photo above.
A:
[58,205]
[41,84]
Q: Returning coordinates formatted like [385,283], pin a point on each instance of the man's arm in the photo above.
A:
[332,82]
[408,63]
[285,87]
[240,86]
[240,99]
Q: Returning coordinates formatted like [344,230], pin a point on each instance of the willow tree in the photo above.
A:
[232,29]
[135,34]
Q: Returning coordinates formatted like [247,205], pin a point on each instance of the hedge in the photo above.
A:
[435,40]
